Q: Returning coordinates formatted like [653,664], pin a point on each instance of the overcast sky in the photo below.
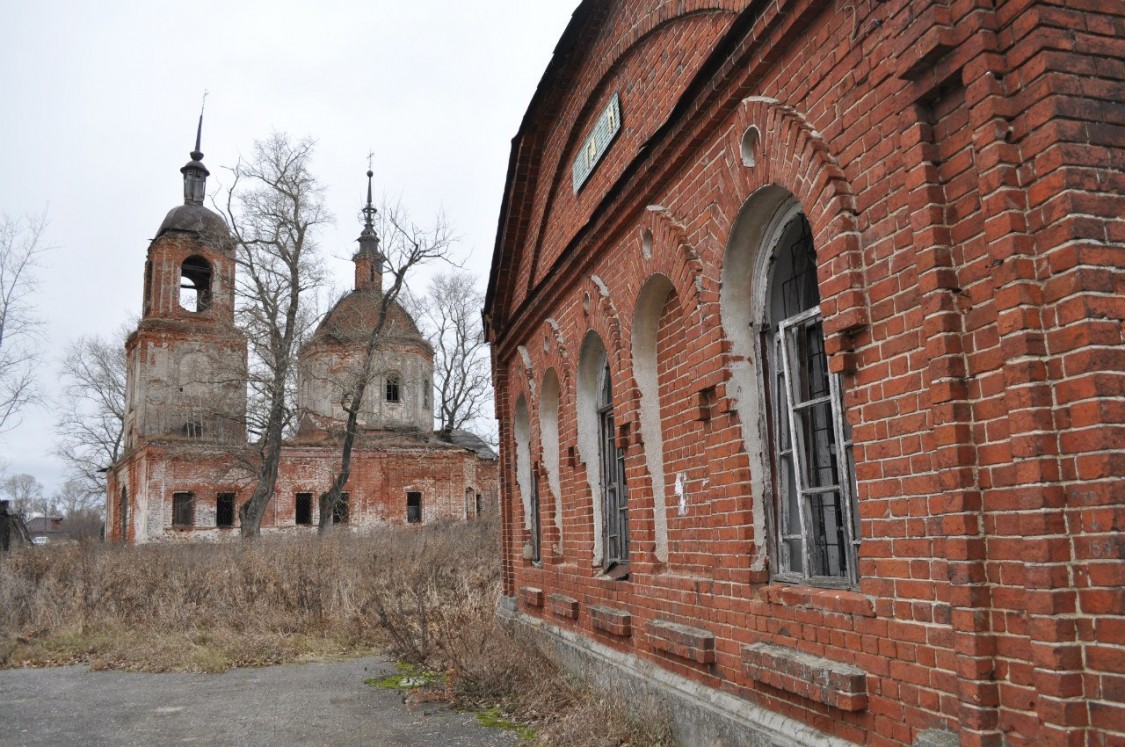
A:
[100,107]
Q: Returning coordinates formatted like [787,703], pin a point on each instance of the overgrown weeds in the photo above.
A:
[428,596]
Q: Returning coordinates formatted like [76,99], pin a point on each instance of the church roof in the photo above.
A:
[472,442]
[194,219]
[355,315]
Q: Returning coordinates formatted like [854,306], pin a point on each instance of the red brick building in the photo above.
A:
[187,465]
[807,328]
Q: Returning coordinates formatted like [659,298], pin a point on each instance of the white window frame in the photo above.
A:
[786,411]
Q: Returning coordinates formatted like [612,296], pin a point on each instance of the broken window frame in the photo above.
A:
[413,507]
[305,511]
[814,495]
[611,458]
[183,510]
[224,509]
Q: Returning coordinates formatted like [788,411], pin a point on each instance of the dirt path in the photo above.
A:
[321,703]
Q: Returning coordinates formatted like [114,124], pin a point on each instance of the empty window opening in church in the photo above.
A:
[183,510]
[394,388]
[224,510]
[195,284]
[413,507]
[303,509]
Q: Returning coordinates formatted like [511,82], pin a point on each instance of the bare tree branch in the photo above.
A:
[449,316]
[26,496]
[21,249]
[91,416]
[273,207]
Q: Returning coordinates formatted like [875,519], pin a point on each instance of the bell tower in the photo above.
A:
[186,360]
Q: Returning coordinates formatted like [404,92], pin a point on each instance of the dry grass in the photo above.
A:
[428,596]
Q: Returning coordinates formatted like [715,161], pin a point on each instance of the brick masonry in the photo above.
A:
[960,165]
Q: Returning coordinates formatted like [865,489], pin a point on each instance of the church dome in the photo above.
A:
[355,315]
[194,218]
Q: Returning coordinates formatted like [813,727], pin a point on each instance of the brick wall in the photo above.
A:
[961,167]
[377,487]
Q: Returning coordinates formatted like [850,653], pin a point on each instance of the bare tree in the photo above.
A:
[82,509]
[273,207]
[449,315]
[404,246]
[21,248]
[26,496]
[91,421]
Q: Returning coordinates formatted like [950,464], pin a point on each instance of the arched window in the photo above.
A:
[615,516]
[525,480]
[394,388]
[195,284]
[123,515]
[810,443]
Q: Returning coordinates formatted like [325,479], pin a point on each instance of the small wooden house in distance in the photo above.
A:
[807,331]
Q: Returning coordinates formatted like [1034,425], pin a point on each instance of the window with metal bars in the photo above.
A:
[536,518]
[814,509]
[615,509]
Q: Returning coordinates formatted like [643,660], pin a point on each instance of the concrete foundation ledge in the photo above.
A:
[701,716]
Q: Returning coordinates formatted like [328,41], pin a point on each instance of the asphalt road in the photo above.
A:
[298,704]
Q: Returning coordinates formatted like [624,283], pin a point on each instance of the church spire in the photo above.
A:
[195,173]
[368,260]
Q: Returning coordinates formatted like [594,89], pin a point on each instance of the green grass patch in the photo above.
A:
[409,677]
[494,719]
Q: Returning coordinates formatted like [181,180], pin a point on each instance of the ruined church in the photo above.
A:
[187,466]
[807,326]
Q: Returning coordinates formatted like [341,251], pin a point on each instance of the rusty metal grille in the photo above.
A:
[536,518]
[615,509]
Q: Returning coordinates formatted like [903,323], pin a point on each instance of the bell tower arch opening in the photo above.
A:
[195,284]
